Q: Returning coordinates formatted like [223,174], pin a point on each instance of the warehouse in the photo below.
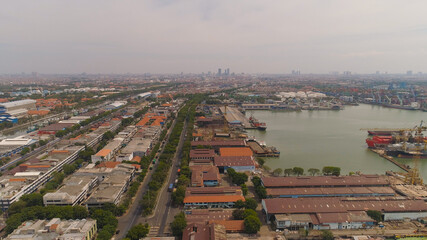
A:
[392,208]
[27,104]
[326,181]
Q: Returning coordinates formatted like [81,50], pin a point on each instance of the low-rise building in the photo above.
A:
[74,191]
[55,229]
[238,163]
[217,197]
[205,176]
[110,190]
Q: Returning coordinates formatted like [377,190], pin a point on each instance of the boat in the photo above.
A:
[382,132]
[257,124]
[379,141]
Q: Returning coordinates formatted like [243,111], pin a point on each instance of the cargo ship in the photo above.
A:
[407,150]
[379,141]
[257,124]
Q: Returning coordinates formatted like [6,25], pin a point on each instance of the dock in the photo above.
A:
[262,151]
[233,115]
[391,159]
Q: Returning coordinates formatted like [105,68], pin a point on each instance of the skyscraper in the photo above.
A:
[219,72]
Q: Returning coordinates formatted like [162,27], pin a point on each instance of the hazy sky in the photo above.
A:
[169,36]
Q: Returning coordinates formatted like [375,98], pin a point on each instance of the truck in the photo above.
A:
[170,187]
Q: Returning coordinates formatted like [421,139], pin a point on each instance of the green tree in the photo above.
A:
[179,195]
[32,199]
[251,203]
[261,162]
[288,171]
[376,215]
[249,212]
[252,224]
[178,224]
[238,214]
[244,189]
[298,171]
[277,172]
[329,170]
[138,231]
[313,171]
[327,235]
[239,204]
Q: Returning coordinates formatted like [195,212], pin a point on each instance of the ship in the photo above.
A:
[407,150]
[257,124]
[379,141]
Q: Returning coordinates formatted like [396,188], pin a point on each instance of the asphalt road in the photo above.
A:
[135,210]
[163,213]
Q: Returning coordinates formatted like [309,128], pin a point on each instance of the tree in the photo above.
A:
[138,231]
[238,214]
[376,215]
[239,204]
[288,171]
[251,203]
[69,169]
[261,161]
[249,212]
[179,195]
[261,192]
[328,170]
[327,235]
[33,199]
[298,171]
[103,218]
[244,189]
[178,224]
[277,172]
[266,168]
[252,224]
[313,171]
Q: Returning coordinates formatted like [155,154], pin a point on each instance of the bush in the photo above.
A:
[252,224]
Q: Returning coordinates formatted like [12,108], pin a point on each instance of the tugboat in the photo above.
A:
[255,123]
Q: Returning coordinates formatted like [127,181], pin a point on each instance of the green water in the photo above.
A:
[314,139]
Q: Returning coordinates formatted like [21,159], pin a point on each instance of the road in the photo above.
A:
[135,210]
[163,213]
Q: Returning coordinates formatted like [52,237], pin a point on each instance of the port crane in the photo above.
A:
[413,175]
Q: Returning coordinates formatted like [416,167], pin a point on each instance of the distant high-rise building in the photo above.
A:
[409,72]
[347,73]
[377,72]
[219,72]
[227,71]
[296,72]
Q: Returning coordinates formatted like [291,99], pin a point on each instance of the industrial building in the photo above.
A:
[217,197]
[16,108]
[325,181]
[110,190]
[205,176]
[341,213]
[238,163]
[55,229]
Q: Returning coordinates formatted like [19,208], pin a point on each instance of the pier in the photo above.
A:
[391,159]
[233,116]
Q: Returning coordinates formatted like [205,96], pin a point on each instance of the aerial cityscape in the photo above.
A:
[213,120]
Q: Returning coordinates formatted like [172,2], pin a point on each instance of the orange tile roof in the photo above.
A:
[108,164]
[136,159]
[17,180]
[235,151]
[210,199]
[230,225]
[38,166]
[103,153]
[38,112]
[3,100]
[166,105]
[137,166]
[197,135]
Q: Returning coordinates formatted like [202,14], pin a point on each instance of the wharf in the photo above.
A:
[391,159]
[262,151]
[233,115]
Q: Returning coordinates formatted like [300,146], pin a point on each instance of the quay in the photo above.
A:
[391,159]
[234,117]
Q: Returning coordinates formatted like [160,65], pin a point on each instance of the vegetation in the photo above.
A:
[260,190]
[252,224]
[327,235]
[106,222]
[288,171]
[178,224]
[313,171]
[376,215]
[328,170]
[277,172]
[138,231]
[237,178]
[297,171]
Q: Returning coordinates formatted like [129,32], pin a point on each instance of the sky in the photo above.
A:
[250,36]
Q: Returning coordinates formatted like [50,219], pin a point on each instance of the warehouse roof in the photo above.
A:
[18,103]
[329,191]
[235,151]
[229,143]
[202,153]
[335,205]
[230,161]
[213,199]
[103,152]
[316,181]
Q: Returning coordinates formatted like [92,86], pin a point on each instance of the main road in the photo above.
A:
[131,217]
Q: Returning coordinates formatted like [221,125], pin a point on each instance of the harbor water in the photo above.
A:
[314,139]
